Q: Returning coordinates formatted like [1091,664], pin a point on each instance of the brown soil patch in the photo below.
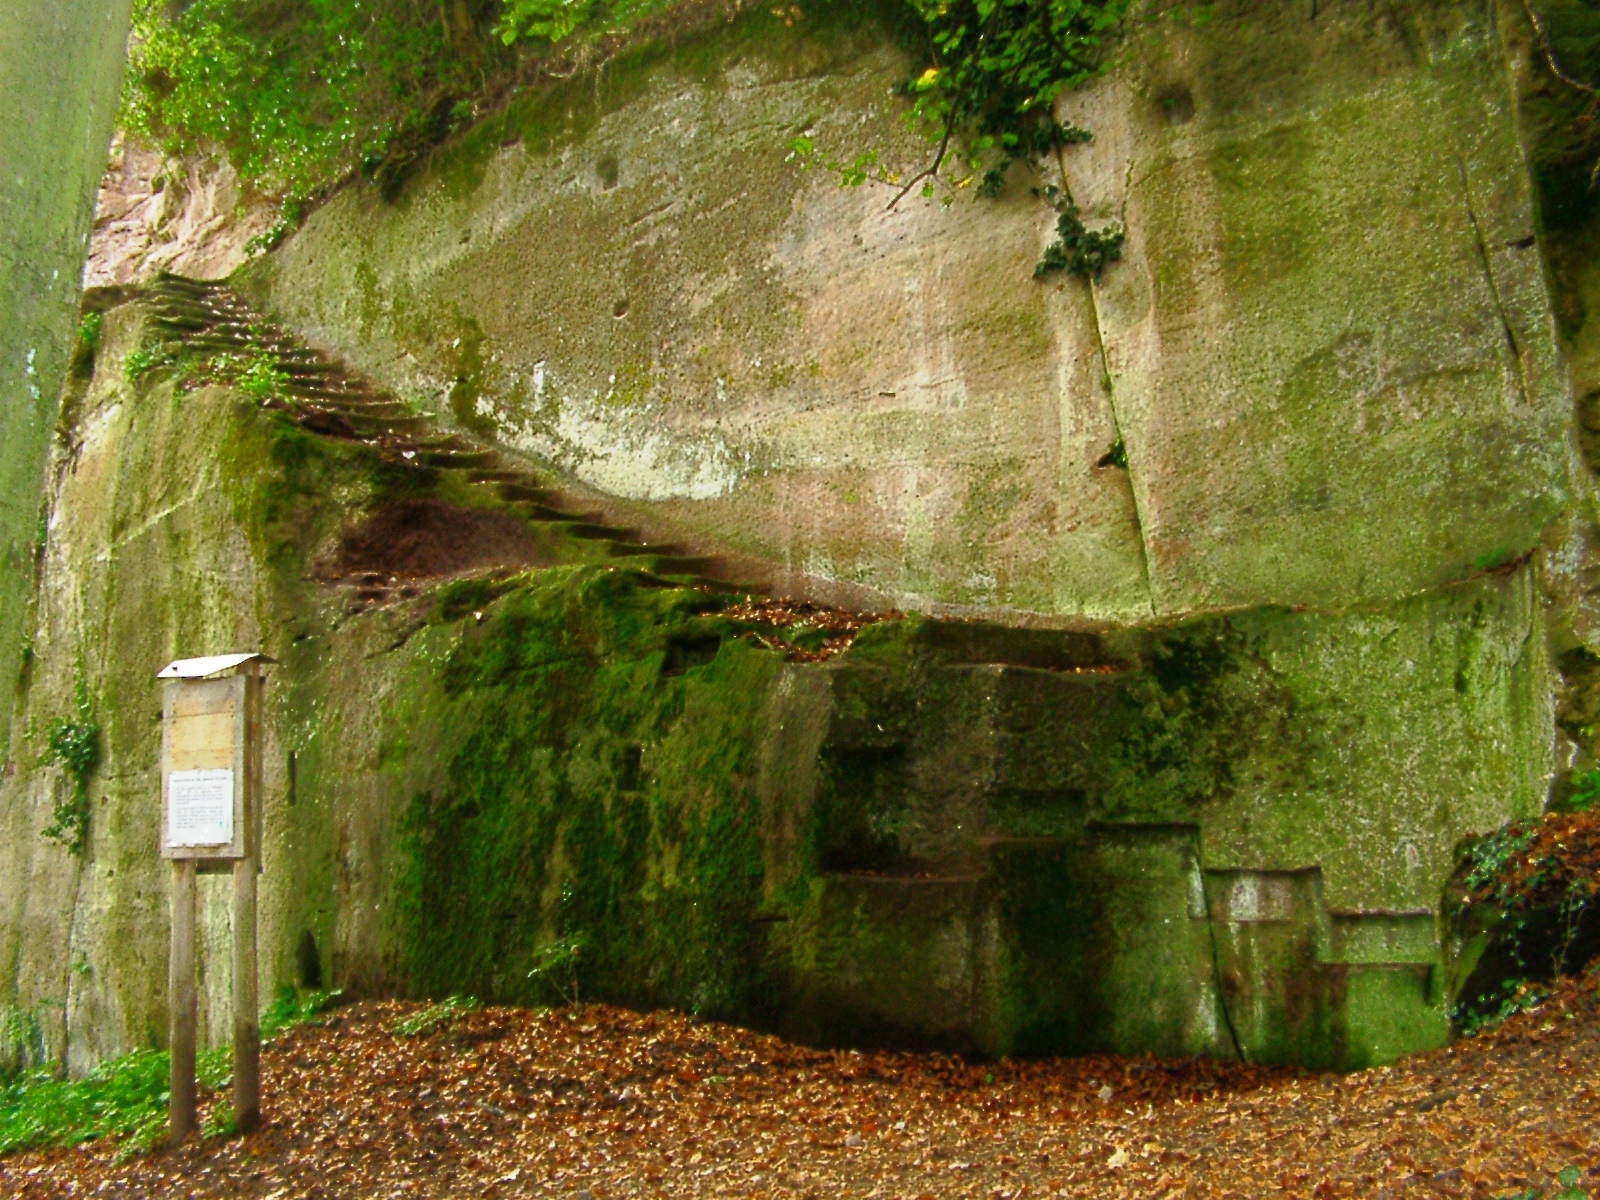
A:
[427,539]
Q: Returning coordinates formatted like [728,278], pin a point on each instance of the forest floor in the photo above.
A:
[597,1103]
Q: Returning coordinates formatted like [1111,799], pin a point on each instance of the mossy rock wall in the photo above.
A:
[451,782]
[60,66]
[1228,836]
[1310,623]
[1328,352]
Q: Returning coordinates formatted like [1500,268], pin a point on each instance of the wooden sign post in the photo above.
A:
[211,820]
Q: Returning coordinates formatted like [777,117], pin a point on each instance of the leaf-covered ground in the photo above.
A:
[597,1102]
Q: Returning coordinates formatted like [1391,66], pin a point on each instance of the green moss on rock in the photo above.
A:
[605,791]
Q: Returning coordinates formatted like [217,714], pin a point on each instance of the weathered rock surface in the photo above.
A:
[1225,837]
[191,216]
[1329,353]
[1289,657]
[60,65]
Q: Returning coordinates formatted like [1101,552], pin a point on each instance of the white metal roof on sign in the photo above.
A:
[199,668]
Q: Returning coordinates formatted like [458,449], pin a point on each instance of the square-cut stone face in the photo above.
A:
[1333,357]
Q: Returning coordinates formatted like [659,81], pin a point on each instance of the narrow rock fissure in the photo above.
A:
[1216,960]
[73,913]
[1116,426]
[1494,287]
[1111,399]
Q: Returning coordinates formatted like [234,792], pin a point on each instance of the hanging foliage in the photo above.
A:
[987,101]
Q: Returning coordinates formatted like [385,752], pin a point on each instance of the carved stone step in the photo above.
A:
[457,459]
[698,566]
[542,512]
[592,531]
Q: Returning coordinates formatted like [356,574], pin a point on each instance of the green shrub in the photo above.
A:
[1586,790]
[1567,1180]
[87,344]
[555,966]
[22,1047]
[290,1009]
[551,20]
[300,97]
[126,1098]
[986,101]
[295,96]
[140,362]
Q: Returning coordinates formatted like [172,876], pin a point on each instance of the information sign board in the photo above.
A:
[205,806]
[200,808]
[210,818]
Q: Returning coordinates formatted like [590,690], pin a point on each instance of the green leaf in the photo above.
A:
[550,20]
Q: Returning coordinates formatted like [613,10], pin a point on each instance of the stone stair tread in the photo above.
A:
[540,512]
[635,550]
[595,531]
[696,564]
[524,491]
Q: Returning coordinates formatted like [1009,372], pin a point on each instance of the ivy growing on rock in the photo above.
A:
[1532,885]
[300,98]
[549,20]
[74,746]
[987,101]
[295,98]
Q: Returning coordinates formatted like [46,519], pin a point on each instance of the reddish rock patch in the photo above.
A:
[428,539]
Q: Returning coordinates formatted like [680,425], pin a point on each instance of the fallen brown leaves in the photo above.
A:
[599,1103]
[1550,858]
[841,625]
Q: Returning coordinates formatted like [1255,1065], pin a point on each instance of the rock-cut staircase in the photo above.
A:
[325,397]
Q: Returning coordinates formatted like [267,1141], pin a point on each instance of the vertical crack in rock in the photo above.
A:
[75,914]
[1494,287]
[1116,427]
[1216,962]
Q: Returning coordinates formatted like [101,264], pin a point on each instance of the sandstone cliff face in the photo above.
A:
[60,63]
[1192,782]
[1329,352]
[156,213]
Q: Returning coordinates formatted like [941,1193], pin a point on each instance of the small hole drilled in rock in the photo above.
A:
[609,171]
[1178,103]
[621,310]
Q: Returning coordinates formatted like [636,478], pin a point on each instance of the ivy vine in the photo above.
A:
[549,20]
[986,102]
[301,97]
[74,746]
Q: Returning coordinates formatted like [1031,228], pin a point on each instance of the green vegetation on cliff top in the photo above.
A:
[300,98]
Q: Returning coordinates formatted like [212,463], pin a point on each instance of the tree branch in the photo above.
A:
[928,172]
[1549,51]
